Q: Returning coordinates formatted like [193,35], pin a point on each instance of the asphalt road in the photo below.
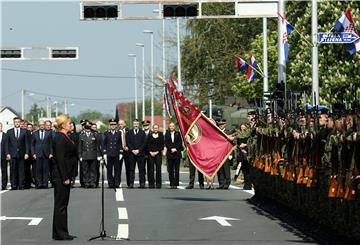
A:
[147,216]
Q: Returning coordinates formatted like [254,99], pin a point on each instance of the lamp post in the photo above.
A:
[152,72]
[135,82]
[143,78]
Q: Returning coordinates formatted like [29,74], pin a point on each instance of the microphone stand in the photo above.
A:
[103,235]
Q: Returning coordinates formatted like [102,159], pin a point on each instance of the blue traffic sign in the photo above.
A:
[340,37]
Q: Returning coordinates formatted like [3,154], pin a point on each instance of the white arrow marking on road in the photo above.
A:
[34,220]
[221,220]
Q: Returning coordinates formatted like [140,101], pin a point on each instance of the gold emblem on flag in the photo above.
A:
[194,134]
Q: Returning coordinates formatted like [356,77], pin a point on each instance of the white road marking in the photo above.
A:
[33,220]
[122,213]
[235,187]
[221,220]
[123,232]
[3,191]
[252,192]
[119,195]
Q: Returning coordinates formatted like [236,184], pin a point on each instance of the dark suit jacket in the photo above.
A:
[41,148]
[65,157]
[136,142]
[17,148]
[4,145]
[112,143]
[89,147]
[178,144]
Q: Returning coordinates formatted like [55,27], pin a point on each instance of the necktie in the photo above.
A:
[42,135]
[123,138]
[17,133]
[136,131]
[87,134]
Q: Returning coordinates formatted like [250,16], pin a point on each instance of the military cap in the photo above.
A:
[268,111]
[82,122]
[301,113]
[323,111]
[281,115]
[251,113]
[145,123]
[87,124]
[112,121]
[221,122]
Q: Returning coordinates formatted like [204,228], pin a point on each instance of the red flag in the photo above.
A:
[207,146]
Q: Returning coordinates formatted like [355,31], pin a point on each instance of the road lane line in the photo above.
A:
[252,192]
[33,220]
[119,195]
[235,187]
[122,213]
[123,232]
[3,191]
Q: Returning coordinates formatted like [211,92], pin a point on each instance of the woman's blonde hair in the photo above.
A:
[61,120]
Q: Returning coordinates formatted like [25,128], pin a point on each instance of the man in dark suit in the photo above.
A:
[224,175]
[124,158]
[136,142]
[111,150]
[89,154]
[49,128]
[4,162]
[29,164]
[174,147]
[17,152]
[41,148]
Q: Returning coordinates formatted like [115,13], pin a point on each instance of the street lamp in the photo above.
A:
[152,73]
[143,78]
[135,82]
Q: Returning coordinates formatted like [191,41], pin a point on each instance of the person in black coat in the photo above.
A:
[30,163]
[154,147]
[41,148]
[124,158]
[65,169]
[136,142]
[111,150]
[4,162]
[74,136]
[17,152]
[174,147]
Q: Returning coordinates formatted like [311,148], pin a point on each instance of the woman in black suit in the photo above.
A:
[75,137]
[154,147]
[65,163]
[174,146]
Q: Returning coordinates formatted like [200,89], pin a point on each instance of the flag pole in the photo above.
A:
[260,72]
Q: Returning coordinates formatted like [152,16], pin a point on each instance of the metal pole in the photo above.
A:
[178,53]
[143,83]
[315,75]
[163,68]
[47,108]
[210,108]
[152,78]
[136,95]
[265,58]
[22,104]
[281,74]
[56,109]
[65,106]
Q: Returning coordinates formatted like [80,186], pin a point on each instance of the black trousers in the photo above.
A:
[30,172]
[17,173]
[192,176]
[154,162]
[4,173]
[61,201]
[113,171]
[141,166]
[89,171]
[125,161]
[174,171]
[224,174]
[42,172]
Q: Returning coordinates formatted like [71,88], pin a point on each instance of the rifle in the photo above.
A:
[333,183]
[340,178]
[312,178]
[351,180]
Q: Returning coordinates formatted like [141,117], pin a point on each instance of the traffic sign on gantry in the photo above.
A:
[115,10]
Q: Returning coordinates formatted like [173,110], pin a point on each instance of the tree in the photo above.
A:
[35,113]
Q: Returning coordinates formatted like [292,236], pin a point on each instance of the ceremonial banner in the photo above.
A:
[207,146]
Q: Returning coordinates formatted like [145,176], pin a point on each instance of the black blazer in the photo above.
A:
[4,145]
[136,142]
[178,144]
[17,148]
[41,148]
[65,157]
[112,143]
[155,144]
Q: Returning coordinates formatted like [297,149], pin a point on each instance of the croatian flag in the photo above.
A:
[346,24]
[251,72]
[287,28]
[241,64]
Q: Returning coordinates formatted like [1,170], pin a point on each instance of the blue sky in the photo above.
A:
[103,48]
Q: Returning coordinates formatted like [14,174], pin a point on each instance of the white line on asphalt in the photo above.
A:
[252,192]
[119,195]
[3,191]
[33,220]
[123,232]
[122,213]
[235,187]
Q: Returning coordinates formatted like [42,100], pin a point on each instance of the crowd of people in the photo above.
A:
[28,150]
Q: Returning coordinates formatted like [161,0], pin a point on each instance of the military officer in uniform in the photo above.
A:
[89,154]
[111,150]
